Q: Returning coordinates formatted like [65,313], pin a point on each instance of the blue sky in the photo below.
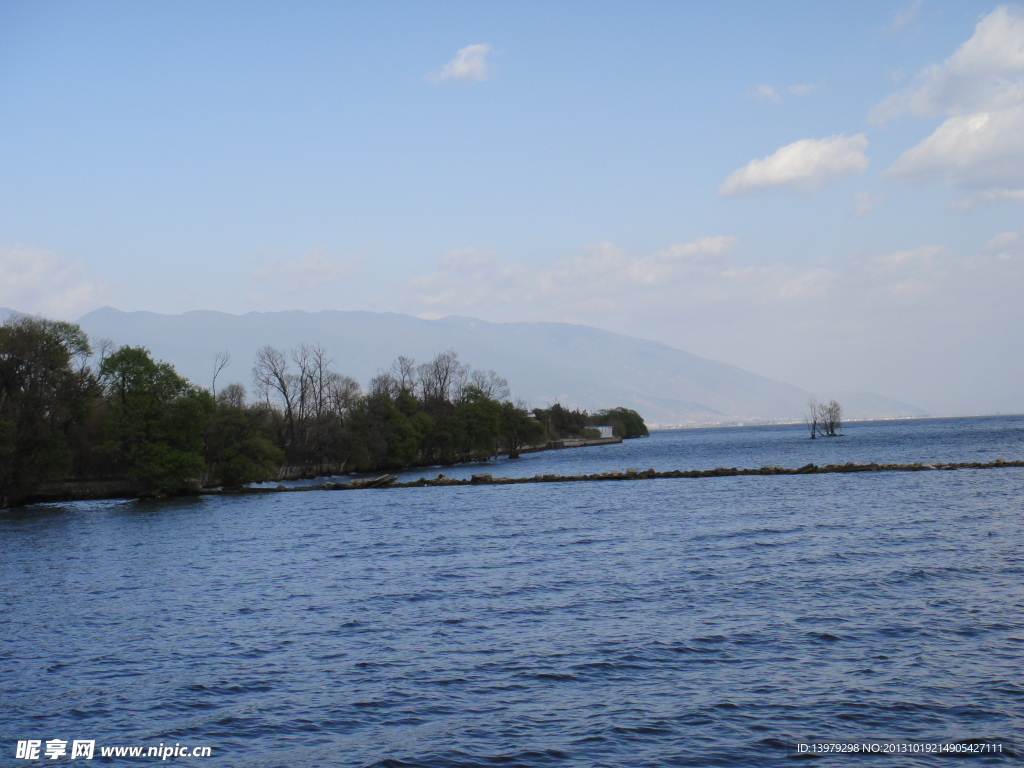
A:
[826,194]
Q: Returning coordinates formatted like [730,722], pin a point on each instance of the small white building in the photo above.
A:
[605,431]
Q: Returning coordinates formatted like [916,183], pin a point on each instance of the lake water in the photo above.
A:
[651,623]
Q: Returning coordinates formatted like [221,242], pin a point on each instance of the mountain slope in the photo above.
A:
[577,365]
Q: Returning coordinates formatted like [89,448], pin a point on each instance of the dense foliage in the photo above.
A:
[439,412]
[67,414]
[46,388]
[155,422]
[560,422]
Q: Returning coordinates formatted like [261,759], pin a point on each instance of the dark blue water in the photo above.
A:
[907,441]
[664,622]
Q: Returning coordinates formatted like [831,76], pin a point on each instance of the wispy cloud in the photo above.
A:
[1006,246]
[979,147]
[803,167]
[312,270]
[979,153]
[903,16]
[470,63]
[35,280]
[864,203]
[765,92]
[803,89]
[983,74]
[600,277]
[686,280]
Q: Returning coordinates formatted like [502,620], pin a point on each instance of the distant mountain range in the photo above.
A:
[576,365]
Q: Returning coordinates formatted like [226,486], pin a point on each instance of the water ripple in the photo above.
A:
[641,624]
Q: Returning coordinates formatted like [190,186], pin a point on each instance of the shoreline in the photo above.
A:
[287,472]
[109,489]
[484,478]
[114,491]
[391,481]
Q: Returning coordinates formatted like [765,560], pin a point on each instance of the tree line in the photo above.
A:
[68,411]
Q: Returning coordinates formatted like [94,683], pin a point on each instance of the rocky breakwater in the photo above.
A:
[442,480]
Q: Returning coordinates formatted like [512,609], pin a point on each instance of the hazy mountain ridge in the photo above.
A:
[577,365]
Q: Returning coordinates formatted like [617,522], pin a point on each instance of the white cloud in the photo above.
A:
[975,198]
[470,63]
[1006,246]
[979,148]
[899,278]
[766,92]
[689,279]
[802,167]
[979,151]
[983,74]
[34,280]
[864,203]
[604,280]
[803,89]
[310,271]
[596,279]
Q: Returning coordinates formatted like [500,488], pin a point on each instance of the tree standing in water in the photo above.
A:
[830,415]
[825,418]
[811,417]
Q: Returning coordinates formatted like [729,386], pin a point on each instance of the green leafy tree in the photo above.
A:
[383,436]
[560,422]
[519,429]
[155,422]
[479,424]
[239,442]
[45,388]
[626,423]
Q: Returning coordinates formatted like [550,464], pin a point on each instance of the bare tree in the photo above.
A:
[811,417]
[104,349]
[442,379]
[490,384]
[314,378]
[825,418]
[384,384]
[220,361]
[274,383]
[233,395]
[404,372]
[343,393]
[831,416]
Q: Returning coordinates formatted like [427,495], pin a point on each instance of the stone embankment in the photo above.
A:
[442,480]
[572,442]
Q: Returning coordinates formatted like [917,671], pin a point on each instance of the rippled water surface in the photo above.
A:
[661,622]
